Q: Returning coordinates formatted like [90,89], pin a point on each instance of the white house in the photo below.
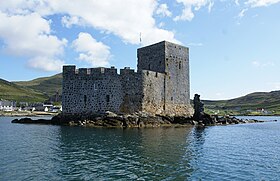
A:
[7,105]
[48,107]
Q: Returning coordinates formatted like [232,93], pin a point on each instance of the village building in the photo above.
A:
[7,105]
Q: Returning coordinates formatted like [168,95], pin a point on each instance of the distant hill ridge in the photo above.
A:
[253,101]
[11,91]
[47,85]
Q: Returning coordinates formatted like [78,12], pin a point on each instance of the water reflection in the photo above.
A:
[165,151]
[143,154]
[196,144]
[197,139]
[199,133]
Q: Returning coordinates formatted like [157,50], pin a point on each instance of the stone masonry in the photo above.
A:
[160,85]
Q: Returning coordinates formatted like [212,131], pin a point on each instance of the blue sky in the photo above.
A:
[234,44]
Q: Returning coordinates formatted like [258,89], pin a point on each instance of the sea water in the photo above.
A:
[46,152]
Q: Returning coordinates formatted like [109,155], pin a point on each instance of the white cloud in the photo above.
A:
[113,17]
[45,64]
[123,21]
[260,3]
[161,24]
[68,21]
[29,35]
[195,44]
[262,64]
[163,10]
[210,6]
[24,7]
[242,13]
[237,2]
[91,51]
[255,16]
[256,63]
[187,14]
[189,5]
[123,18]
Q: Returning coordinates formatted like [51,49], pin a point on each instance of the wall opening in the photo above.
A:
[180,64]
[85,99]
[107,98]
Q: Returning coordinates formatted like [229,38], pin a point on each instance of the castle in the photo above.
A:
[160,85]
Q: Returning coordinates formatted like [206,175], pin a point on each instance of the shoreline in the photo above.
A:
[42,113]
[26,113]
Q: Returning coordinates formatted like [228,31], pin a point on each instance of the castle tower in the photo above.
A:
[172,60]
[160,85]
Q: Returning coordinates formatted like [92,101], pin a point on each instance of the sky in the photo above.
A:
[233,44]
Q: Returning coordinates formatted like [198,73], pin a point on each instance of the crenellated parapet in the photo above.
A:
[127,71]
[70,70]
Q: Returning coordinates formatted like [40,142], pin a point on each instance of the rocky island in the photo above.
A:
[158,94]
[140,120]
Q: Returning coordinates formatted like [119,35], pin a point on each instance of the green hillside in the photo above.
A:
[46,85]
[11,91]
[269,101]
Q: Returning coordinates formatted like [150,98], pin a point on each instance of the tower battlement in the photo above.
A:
[71,70]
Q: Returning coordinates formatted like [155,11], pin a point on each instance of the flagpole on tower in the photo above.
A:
[140,38]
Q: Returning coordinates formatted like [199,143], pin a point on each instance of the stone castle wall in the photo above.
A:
[160,86]
[91,90]
[132,91]
[177,68]
[153,92]
[152,58]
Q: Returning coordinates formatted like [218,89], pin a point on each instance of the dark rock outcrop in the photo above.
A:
[199,115]
[198,108]
[32,121]
[113,120]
